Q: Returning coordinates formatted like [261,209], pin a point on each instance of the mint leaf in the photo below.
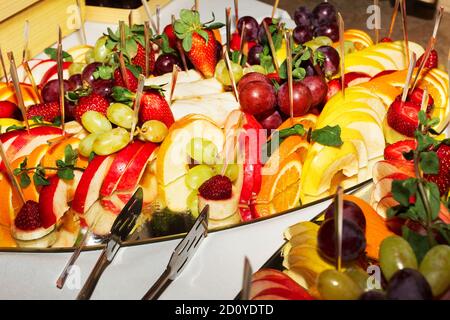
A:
[37,119]
[418,243]
[432,191]
[57,121]
[40,180]
[424,142]
[66,174]
[429,162]
[165,45]
[14,127]
[91,156]
[24,180]
[104,72]
[53,53]
[70,155]
[423,120]
[402,190]
[299,73]
[328,136]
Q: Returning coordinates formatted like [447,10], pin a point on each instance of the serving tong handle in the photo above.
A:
[159,287]
[94,276]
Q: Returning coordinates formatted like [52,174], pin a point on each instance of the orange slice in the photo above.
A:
[6,240]
[308,121]
[10,201]
[56,152]
[281,191]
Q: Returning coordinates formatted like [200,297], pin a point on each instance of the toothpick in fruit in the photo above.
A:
[446,122]
[236,11]
[430,46]
[405,28]
[147,48]
[10,173]
[230,73]
[287,38]
[228,26]
[123,68]
[149,13]
[243,41]
[59,60]
[82,29]
[393,18]
[2,61]
[18,89]
[137,104]
[196,5]
[412,64]
[158,19]
[424,103]
[274,8]
[271,46]
[130,18]
[338,225]
[30,76]
[342,52]
[26,37]
[173,82]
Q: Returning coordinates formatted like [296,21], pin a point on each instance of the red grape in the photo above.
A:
[75,81]
[303,17]
[50,92]
[332,60]
[302,34]
[88,72]
[165,62]
[352,212]
[324,13]
[257,97]
[353,240]
[251,27]
[262,32]
[301,96]
[103,87]
[253,54]
[318,88]
[330,30]
[252,76]
[271,122]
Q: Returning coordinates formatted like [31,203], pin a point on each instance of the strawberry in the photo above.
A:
[155,107]
[48,111]
[168,31]
[216,188]
[92,102]
[28,217]
[432,61]
[403,117]
[235,42]
[119,80]
[396,150]
[9,110]
[139,58]
[442,179]
[417,95]
[386,39]
[198,41]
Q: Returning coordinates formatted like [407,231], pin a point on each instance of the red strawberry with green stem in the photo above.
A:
[155,107]
[92,102]
[47,111]
[119,80]
[397,150]
[198,41]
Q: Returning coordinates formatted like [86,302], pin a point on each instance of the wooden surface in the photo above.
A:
[9,8]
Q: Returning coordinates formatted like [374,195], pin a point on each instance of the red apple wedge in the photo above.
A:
[269,297]
[387,167]
[52,73]
[54,198]
[136,168]
[261,286]
[119,166]
[384,186]
[88,190]
[355,78]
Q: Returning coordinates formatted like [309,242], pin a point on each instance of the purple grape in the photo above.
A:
[373,295]
[302,34]
[251,27]
[332,59]
[69,108]
[218,51]
[330,30]
[50,92]
[102,87]
[408,284]
[165,62]
[88,72]
[262,32]
[303,17]
[351,212]
[324,13]
[75,81]
[253,54]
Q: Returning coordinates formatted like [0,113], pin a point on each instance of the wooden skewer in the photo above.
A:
[10,173]
[339,219]
[274,8]
[2,61]
[393,18]
[447,118]
[147,48]
[26,36]
[30,76]
[228,27]
[287,37]
[377,23]
[130,19]
[180,49]
[342,50]
[411,66]
[82,29]
[123,68]
[18,89]
[137,104]
[272,47]
[236,11]
[196,5]
[231,75]
[430,46]
[405,29]
[59,60]
[173,83]
[149,13]
[425,99]
[158,19]
[243,41]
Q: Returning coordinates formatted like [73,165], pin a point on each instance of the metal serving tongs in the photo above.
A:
[120,231]
[246,280]
[181,256]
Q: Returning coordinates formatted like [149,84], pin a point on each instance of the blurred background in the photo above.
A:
[420,19]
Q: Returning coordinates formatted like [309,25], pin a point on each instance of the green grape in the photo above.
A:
[318,42]
[121,115]
[76,68]
[435,267]
[95,122]
[111,141]
[396,254]
[198,175]
[192,203]
[101,52]
[89,56]
[255,68]
[358,275]
[335,285]
[202,150]
[87,144]
[153,131]
[222,74]
[232,170]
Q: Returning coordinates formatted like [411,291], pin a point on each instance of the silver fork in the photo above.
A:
[181,256]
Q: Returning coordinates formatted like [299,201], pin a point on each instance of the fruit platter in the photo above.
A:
[249,118]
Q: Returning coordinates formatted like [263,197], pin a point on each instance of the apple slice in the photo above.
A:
[54,198]
[52,73]
[354,78]
[88,190]
[118,167]
[23,77]
[261,286]
[41,68]
[384,186]
[136,168]
[100,218]
[388,167]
